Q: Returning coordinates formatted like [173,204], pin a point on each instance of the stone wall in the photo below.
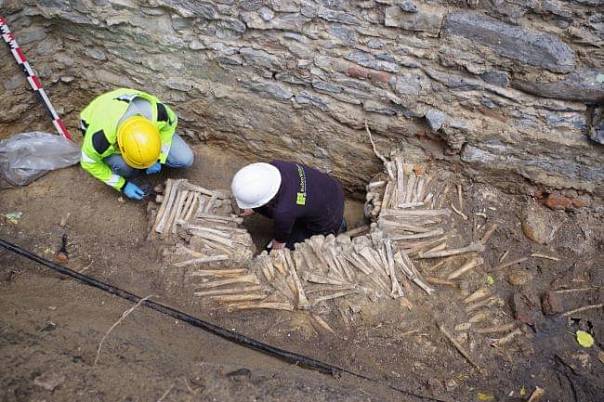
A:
[505,90]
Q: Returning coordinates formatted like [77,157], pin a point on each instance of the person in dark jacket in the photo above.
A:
[302,201]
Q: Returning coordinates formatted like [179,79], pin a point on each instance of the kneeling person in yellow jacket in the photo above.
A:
[127,131]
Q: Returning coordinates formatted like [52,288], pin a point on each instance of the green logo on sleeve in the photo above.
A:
[301,196]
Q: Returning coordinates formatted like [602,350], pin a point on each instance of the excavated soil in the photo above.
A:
[50,327]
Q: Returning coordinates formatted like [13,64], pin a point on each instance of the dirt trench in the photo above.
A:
[50,327]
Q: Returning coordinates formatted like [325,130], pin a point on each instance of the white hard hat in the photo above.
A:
[255,185]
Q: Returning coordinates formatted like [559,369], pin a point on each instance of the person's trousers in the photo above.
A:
[179,156]
[300,233]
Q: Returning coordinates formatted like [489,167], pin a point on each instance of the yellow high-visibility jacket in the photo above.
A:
[100,120]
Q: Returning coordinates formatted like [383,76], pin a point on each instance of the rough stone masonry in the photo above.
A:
[507,90]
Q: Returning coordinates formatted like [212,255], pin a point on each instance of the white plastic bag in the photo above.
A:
[27,156]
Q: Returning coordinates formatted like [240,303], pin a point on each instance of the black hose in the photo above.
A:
[232,336]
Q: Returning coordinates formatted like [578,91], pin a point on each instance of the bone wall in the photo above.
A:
[504,90]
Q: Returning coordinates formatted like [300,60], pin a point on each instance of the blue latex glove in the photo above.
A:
[133,191]
[155,168]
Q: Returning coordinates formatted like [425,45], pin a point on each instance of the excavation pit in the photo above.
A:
[393,336]
[513,122]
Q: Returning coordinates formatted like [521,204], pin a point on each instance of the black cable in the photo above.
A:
[232,336]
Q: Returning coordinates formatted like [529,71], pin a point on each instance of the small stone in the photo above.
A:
[121,200]
[309,9]
[596,132]
[285,6]
[48,327]
[230,60]
[368,60]
[64,59]
[266,14]
[451,384]
[322,86]
[409,84]
[271,90]
[178,84]
[49,381]
[250,5]
[375,44]
[519,278]
[230,26]
[343,33]
[532,233]
[260,58]
[357,72]
[408,6]
[427,20]
[196,45]
[536,225]
[557,201]
[286,22]
[337,16]
[291,78]
[435,119]
[498,78]
[305,98]
[378,107]
[199,9]
[526,307]
[551,303]
[180,23]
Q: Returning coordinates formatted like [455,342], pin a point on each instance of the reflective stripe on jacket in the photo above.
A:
[100,120]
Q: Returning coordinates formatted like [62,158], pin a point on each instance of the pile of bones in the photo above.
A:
[410,223]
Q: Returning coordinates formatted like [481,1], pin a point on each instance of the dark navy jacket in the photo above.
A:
[307,198]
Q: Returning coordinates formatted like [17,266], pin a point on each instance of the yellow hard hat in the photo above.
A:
[139,142]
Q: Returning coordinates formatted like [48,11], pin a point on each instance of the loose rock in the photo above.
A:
[50,380]
[551,303]
[558,201]
[519,278]
[408,6]
[536,225]
[526,307]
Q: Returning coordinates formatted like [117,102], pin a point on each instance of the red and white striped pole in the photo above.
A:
[33,79]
